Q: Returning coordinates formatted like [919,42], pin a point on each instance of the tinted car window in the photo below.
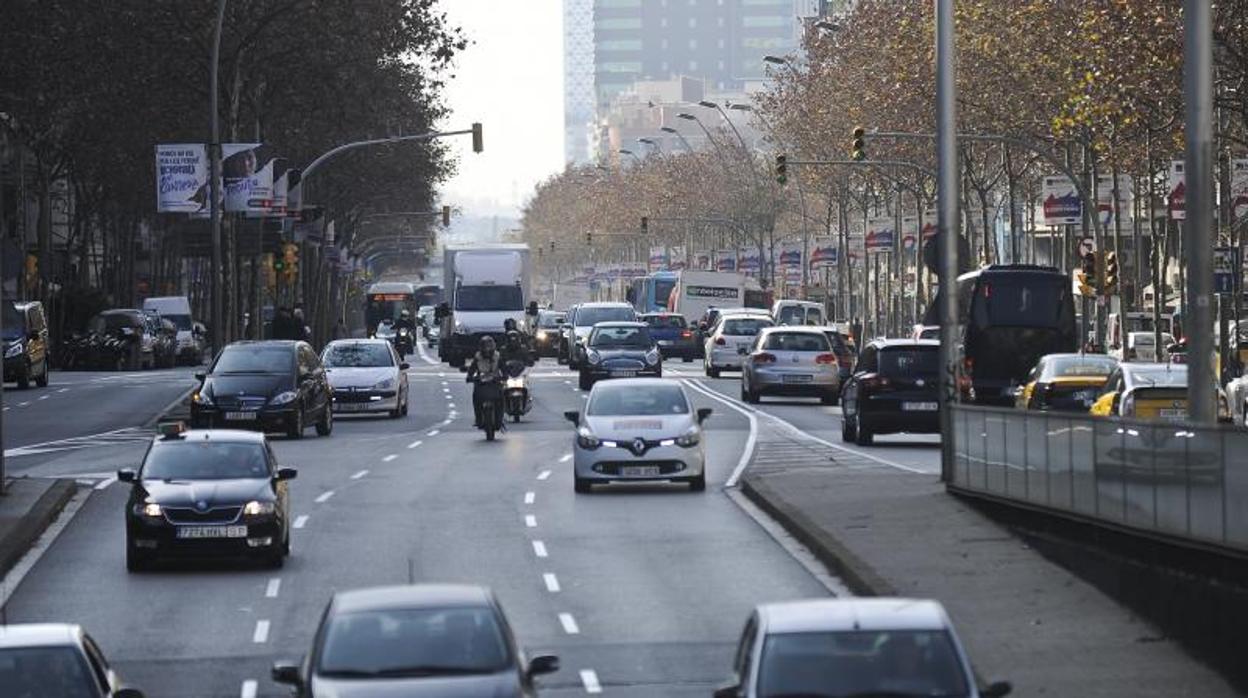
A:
[745,327]
[489,298]
[867,663]
[549,320]
[254,359]
[46,671]
[12,322]
[358,355]
[622,337]
[906,361]
[205,460]
[1079,366]
[677,321]
[796,341]
[651,400]
[587,317]
[413,642]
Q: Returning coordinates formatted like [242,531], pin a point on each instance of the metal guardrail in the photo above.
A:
[1179,481]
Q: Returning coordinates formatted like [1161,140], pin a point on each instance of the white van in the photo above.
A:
[177,309]
[698,291]
[795,312]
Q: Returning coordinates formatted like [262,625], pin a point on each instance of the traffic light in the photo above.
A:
[782,169]
[858,146]
[446,216]
[1110,286]
[478,144]
[589,238]
[645,224]
[1085,276]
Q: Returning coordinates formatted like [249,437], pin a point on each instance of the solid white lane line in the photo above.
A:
[569,624]
[530,521]
[746,453]
[552,582]
[543,475]
[261,634]
[275,585]
[389,458]
[539,548]
[360,474]
[589,678]
[565,458]
[324,497]
[301,521]
[414,444]
[433,432]
[528,497]
[249,689]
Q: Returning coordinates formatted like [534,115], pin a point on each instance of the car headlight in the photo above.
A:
[586,439]
[255,508]
[593,357]
[386,384]
[15,349]
[541,334]
[149,509]
[515,383]
[201,398]
[652,357]
[284,398]
[690,438]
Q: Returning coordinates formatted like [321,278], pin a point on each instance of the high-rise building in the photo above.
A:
[578,78]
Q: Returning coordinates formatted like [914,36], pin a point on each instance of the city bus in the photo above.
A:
[650,293]
[387,299]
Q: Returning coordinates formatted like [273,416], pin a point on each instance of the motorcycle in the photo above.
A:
[403,342]
[490,406]
[517,400]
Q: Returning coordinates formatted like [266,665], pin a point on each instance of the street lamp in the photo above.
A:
[776,60]
[652,143]
[678,134]
[712,105]
[625,151]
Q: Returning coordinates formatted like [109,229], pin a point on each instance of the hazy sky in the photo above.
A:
[511,80]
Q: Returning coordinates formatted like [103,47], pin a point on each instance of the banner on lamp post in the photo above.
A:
[881,232]
[676,258]
[658,258]
[1062,204]
[281,190]
[749,260]
[702,260]
[931,224]
[824,253]
[1176,197]
[855,243]
[1239,189]
[1105,198]
[726,260]
[791,255]
[182,178]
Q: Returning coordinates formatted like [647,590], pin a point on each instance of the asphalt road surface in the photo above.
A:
[641,590]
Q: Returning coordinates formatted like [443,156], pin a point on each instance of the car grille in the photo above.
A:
[623,365]
[216,515]
[245,403]
[666,467]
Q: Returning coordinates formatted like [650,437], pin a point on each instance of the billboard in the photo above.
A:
[247,177]
[726,260]
[824,253]
[1062,204]
[181,178]
[1176,198]
[791,254]
[881,232]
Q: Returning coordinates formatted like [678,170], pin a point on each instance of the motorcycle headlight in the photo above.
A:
[386,384]
[586,439]
[284,398]
[593,357]
[15,349]
[690,438]
[255,508]
[652,357]
[150,510]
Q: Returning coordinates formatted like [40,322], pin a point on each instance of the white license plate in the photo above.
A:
[240,416]
[743,350]
[639,471]
[1172,414]
[212,532]
[665,342]
[796,379]
[352,406]
[918,406]
[623,374]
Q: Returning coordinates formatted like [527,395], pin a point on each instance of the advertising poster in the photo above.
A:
[824,253]
[1105,198]
[1239,189]
[726,260]
[181,178]
[931,224]
[1176,198]
[749,260]
[791,255]
[247,177]
[658,258]
[1062,205]
[880,235]
[702,260]
[909,233]
[677,259]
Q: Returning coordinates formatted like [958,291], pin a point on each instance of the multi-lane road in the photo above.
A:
[641,590]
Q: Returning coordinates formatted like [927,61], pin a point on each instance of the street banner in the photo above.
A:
[281,189]
[632,270]
[792,276]
[791,255]
[1062,204]
[1105,198]
[1176,199]
[1239,189]
[181,178]
[910,232]
[855,243]
[880,235]
[658,258]
[702,260]
[824,253]
[247,177]
[676,258]
[726,260]
[931,224]
[1224,264]
[749,260]
[330,233]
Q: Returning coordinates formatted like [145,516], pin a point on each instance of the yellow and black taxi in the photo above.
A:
[1150,391]
[207,493]
[1065,382]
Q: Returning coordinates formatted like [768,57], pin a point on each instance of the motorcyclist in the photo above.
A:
[404,323]
[485,372]
[513,349]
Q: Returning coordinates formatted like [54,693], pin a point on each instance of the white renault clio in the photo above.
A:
[639,429]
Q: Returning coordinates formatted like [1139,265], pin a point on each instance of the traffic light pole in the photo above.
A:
[947,211]
[1199,230]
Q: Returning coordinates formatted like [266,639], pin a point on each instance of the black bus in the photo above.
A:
[1010,315]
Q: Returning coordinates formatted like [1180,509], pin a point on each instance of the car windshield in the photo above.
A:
[797,315]
[481,298]
[549,320]
[796,341]
[1161,377]
[1080,366]
[588,317]
[910,361]
[668,321]
[201,459]
[617,399]
[183,323]
[255,359]
[400,642]
[357,355]
[861,663]
[745,327]
[11,321]
[46,671]
[114,322]
[620,337]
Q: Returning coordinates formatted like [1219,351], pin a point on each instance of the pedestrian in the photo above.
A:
[300,331]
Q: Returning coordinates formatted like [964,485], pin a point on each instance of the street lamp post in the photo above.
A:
[635,156]
[1200,227]
[214,191]
[679,135]
[947,207]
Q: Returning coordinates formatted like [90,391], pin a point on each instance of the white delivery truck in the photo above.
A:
[698,291]
[485,285]
[177,309]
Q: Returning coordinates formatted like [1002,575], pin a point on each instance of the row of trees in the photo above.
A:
[87,89]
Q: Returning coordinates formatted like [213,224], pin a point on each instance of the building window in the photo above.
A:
[619,3]
[620,45]
[764,21]
[619,23]
[765,42]
[620,67]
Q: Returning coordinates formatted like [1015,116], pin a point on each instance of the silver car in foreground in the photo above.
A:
[366,375]
[795,361]
[853,647]
[639,429]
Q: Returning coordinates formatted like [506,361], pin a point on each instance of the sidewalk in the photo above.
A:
[1023,618]
[27,507]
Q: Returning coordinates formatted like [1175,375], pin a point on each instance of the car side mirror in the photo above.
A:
[544,664]
[572,416]
[997,689]
[286,474]
[127,475]
[285,672]
[127,693]
[200,375]
[703,413]
[728,692]
[404,366]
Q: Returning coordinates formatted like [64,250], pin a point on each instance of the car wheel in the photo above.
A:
[847,430]
[750,396]
[23,378]
[828,398]
[712,372]
[135,560]
[295,429]
[325,426]
[584,381]
[862,435]
[42,379]
[581,485]
[698,484]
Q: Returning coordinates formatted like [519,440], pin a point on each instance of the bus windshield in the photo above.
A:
[1003,302]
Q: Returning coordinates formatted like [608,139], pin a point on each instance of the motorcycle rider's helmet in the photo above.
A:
[513,338]
[487,346]
[405,314]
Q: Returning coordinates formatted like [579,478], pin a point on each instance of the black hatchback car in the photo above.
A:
[207,493]
[273,385]
[893,389]
[619,350]
[25,341]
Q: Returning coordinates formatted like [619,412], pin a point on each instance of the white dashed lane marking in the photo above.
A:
[324,497]
[361,473]
[301,521]
[432,433]
[569,624]
[275,586]
[414,444]
[565,458]
[389,458]
[530,521]
[249,689]
[539,548]
[552,582]
[589,678]
[543,475]
[261,634]
[528,497]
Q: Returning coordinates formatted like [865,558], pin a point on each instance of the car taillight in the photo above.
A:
[719,341]
[686,334]
[876,381]
[825,359]
[764,358]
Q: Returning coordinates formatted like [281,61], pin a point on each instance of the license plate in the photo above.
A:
[796,379]
[665,342]
[352,406]
[640,471]
[212,532]
[1172,414]
[240,416]
[743,350]
[918,406]
[623,374]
